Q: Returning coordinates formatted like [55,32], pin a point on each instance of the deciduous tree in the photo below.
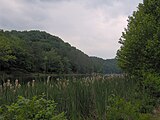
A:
[140,50]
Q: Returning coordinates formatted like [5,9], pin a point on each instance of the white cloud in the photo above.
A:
[93,26]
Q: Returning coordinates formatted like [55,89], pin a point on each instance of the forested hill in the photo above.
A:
[37,51]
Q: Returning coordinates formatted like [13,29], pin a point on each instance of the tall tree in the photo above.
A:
[140,42]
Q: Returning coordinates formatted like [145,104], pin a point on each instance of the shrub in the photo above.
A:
[37,108]
[120,109]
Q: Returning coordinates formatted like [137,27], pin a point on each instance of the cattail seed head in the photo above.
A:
[28,84]
[8,83]
[16,83]
[14,91]
[19,85]
[33,83]
[48,79]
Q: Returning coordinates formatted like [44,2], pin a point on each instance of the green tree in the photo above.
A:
[53,62]
[141,40]
[6,52]
[37,51]
[5,49]
[139,54]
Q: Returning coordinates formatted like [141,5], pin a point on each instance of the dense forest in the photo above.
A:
[40,52]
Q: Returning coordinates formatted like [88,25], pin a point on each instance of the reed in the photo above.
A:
[79,98]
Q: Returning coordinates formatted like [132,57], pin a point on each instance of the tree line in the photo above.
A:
[39,52]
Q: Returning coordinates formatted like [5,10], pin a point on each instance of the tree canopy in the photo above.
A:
[38,51]
[140,42]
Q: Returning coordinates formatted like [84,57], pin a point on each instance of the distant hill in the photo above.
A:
[111,67]
[108,66]
[38,51]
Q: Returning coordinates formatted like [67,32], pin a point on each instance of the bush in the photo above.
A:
[148,92]
[120,109]
[38,108]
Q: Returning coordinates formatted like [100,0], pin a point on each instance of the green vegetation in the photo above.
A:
[121,109]
[134,95]
[40,52]
[82,98]
[37,108]
[139,53]
[140,42]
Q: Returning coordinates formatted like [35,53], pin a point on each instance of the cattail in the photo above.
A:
[19,85]
[1,88]
[33,83]
[10,86]
[4,85]
[63,84]
[8,83]
[16,83]
[50,85]
[57,79]
[28,84]
[67,82]
[48,78]
[14,91]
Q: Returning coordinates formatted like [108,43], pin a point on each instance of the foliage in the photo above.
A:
[141,39]
[120,109]
[6,51]
[111,66]
[38,108]
[38,51]
[139,53]
[80,98]
[152,83]
[151,86]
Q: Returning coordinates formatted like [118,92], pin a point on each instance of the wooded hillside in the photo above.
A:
[38,51]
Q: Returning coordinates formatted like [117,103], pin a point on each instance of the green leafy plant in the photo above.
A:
[37,108]
[152,83]
[149,91]
[120,109]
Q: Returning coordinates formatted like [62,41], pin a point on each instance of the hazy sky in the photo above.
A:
[93,26]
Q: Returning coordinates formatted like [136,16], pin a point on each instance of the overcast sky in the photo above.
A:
[93,26]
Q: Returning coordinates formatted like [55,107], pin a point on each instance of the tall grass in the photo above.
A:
[79,98]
